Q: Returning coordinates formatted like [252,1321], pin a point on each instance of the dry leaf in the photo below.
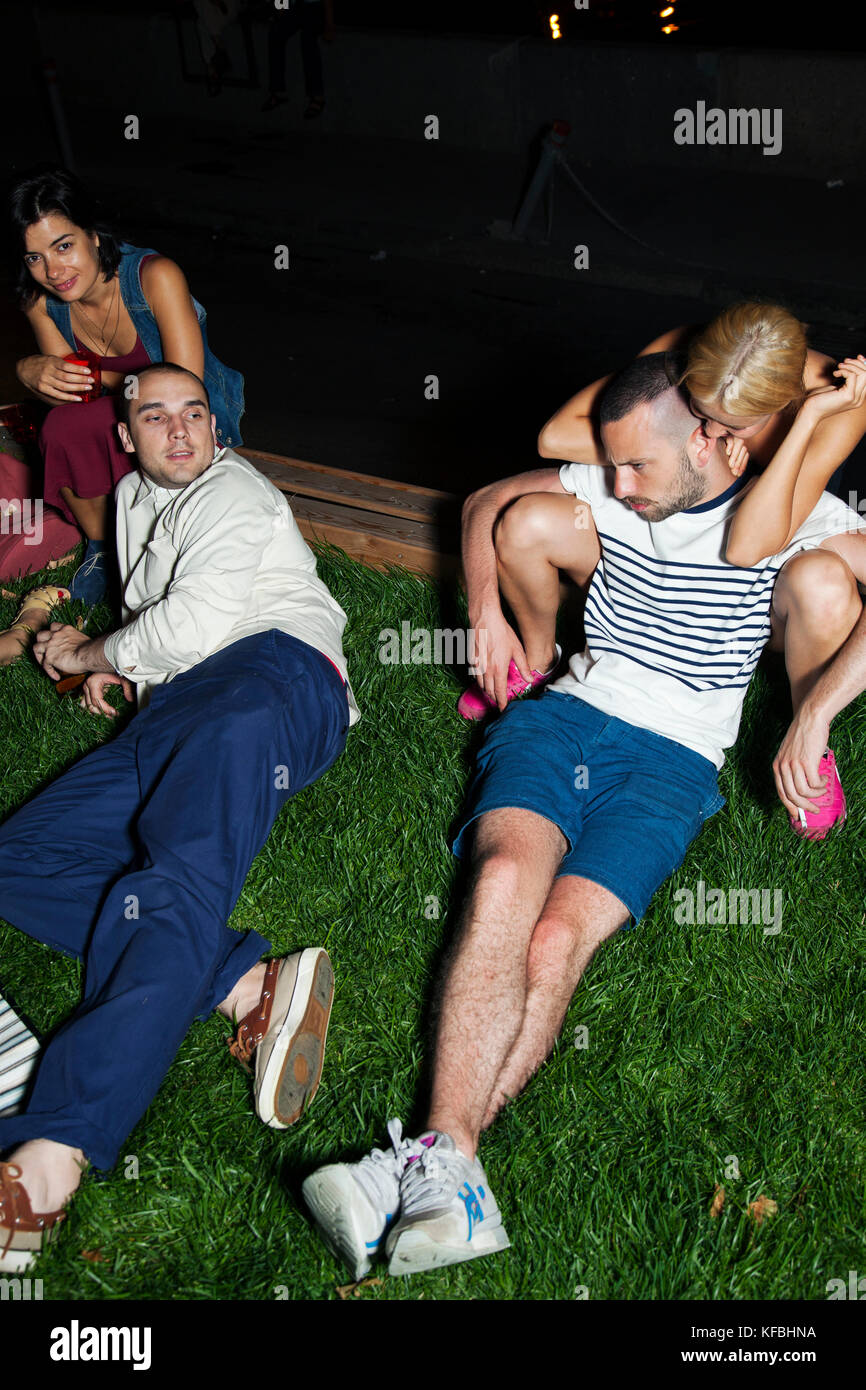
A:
[718,1200]
[353,1290]
[64,560]
[764,1206]
[95,1256]
[7,593]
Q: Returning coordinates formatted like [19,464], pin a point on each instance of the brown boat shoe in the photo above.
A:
[23,1232]
[282,1041]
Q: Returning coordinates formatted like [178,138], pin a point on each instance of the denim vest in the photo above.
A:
[225,387]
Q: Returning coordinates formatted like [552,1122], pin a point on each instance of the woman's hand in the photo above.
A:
[738,454]
[832,400]
[93,692]
[53,378]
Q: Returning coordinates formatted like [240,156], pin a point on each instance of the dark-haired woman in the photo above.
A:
[86,292]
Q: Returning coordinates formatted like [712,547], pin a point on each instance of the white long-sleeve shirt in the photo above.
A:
[203,566]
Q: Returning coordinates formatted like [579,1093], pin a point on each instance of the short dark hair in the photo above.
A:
[641,381]
[37,195]
[124,401]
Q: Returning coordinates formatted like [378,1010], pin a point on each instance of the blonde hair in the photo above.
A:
[749,360]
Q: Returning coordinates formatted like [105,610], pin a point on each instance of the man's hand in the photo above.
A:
[93,691]
[58,650]
[796,764]
[497,645]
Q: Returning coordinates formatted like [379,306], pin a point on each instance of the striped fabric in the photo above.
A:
[18,1050]
[703,625]
[673,631]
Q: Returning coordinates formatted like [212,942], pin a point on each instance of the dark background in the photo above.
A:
[400,262]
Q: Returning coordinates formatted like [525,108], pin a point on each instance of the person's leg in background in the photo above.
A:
[312,27]
[281,27]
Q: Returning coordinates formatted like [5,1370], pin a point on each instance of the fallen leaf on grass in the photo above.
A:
[718,1200]
[353,1290]
[64,560]
[95,1256]
[7,593]
[763,1206]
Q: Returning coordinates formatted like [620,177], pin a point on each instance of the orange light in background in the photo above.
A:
[663,14]
[670,28]
[555,31]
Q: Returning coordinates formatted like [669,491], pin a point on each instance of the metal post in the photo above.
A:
[551,151]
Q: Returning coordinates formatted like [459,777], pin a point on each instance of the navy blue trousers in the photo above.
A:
[133,860]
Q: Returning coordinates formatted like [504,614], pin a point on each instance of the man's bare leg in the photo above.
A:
[50,1172]
[516,855]
[245,995]
[540,534]
[578,916]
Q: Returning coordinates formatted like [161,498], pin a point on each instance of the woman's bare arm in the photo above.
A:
[828,425]
[167,293]
[572,433]
[45,373]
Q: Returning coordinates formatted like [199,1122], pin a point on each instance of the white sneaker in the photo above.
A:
[354,1203]
[447,1211]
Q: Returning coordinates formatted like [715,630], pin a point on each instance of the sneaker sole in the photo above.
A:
[17,1261]
[331,1195]
[415,1252]
[294,1069]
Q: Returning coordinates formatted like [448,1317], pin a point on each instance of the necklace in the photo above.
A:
[114,300]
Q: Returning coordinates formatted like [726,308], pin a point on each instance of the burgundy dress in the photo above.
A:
[80,444]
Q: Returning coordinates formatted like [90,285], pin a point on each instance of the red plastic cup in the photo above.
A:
[81,359]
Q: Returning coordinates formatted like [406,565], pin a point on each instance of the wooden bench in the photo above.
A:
[376,520]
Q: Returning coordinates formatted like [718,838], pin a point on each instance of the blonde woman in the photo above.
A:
[752,382]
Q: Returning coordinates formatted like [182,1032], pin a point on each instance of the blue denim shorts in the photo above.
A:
[628,801]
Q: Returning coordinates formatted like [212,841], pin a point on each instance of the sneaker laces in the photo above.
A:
[430,1181]
[379,1171]
[86,568]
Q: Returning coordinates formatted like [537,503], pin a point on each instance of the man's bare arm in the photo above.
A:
[500,642]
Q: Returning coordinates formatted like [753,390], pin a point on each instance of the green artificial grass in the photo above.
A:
[716,1054]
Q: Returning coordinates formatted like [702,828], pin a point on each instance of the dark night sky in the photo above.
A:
[734,23]
[717,23]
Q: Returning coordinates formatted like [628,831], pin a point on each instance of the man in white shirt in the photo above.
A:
[134,859]
[583,802]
